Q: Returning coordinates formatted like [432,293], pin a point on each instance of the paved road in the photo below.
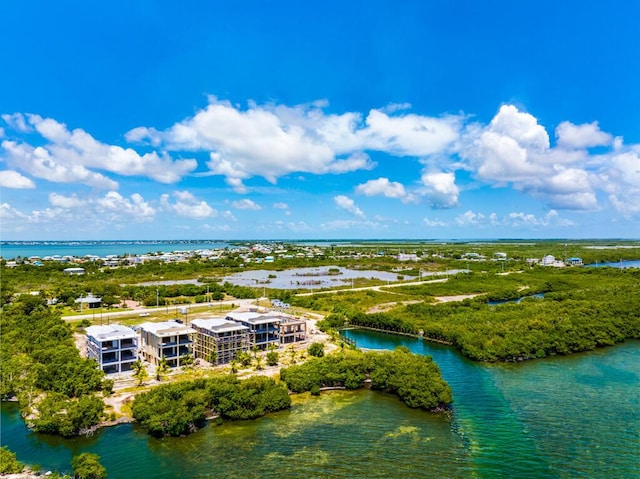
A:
[375,288]
[96,314]
[107,315]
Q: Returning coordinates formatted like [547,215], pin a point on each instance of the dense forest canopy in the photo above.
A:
[414,378]
[581,309]
[181,408]
[41,366]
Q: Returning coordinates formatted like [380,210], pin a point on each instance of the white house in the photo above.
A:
[114,347]
[168,339]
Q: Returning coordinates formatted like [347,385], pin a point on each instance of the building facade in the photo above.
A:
[263,326]
[114,347]
[219,340]
[169,339]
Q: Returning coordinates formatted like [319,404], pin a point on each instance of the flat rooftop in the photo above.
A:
[166,328]
[218,325]
[254,318]
[111,332]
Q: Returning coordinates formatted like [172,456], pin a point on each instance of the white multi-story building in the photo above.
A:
[114,347]
[169,339]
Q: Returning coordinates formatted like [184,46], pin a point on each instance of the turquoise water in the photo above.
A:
[565,417]
[26,249]
[617,264]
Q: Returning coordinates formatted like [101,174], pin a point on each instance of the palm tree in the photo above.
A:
[139,371]
[186,360]
[213,357]
[162,368]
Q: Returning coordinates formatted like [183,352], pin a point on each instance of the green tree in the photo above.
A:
[87,466]
[139,371]
[9,464]
[272,358]
[186,360]
[244,358]
[316,350]
[213,357]
[162,368]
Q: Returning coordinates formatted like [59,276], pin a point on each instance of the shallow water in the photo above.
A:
[576,416]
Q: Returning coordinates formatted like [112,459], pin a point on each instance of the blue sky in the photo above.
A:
[334,119]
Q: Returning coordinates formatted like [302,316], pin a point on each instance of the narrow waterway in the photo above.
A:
[566,417]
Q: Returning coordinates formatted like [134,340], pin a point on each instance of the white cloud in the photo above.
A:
[514,149]
[409,135]
[40,163]
[13,179]
[347,204]
[7,212]
[70,157]
[281,206]
[440,189]
[382,187]
[116,207]
[228,215]
[17,122]
[621,179]
[587,135]
[66,202]
[246,204]
[353,225]
[514,220]
[187,205]
[275,140]
[434,223]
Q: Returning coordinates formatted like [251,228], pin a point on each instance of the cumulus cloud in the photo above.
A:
[441,190]
[66,202]
[7,212]
[514,219]
[434,223]
[39,162]
[13,179]
[116,207]
[514,149]
[70,156]
[347,204]
[353,225]
[281,206]
[621,180]
[382,187]
[581,136]
[274,140]
[17,121]
[246,204]
[187,205]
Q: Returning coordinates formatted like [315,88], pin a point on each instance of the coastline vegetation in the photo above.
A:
[57,390]
[42,368]
[414,378]
[181,408]
[582,309]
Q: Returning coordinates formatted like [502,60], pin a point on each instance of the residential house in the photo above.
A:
[114,347]
[169,339]
[73,271]
[89,301]
[222,337]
